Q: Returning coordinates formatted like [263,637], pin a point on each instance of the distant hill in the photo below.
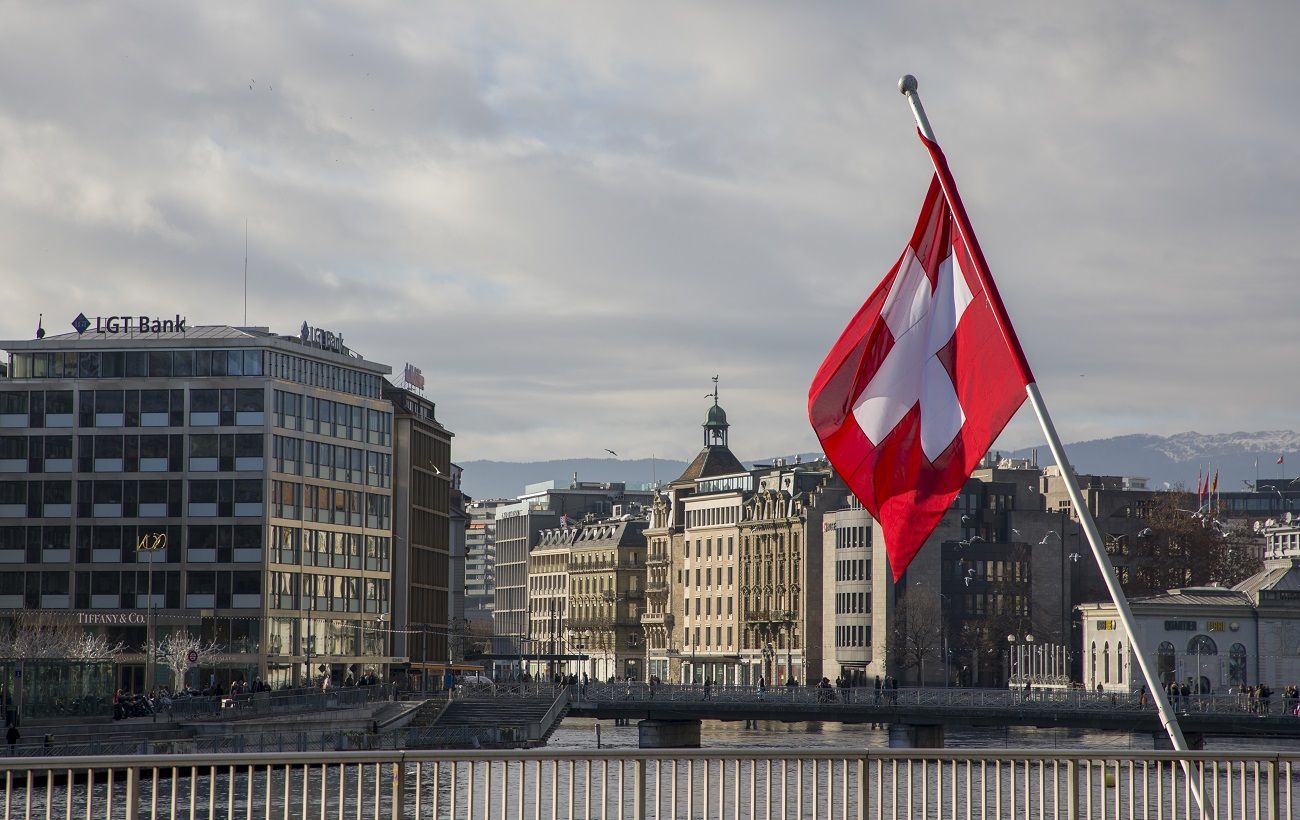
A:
[1174,459]
[1177,459]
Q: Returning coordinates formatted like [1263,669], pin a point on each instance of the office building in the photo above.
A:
[259,465]
[422,529]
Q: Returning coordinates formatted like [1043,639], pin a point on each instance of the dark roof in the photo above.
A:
[715,459]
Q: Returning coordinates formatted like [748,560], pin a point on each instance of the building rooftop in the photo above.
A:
[713,460]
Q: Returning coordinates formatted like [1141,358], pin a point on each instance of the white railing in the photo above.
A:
[644,784]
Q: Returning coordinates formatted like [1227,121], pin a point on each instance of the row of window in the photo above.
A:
[712,606]
[133,364]
[322,548]
[321,636]
[992,603]
[318,374]
[130,498]
[712,638]
[852,636]
[852,603]
[327,593]
[331,418]
[712,517]
[853,569]
[36,404]
[129,590]
[990,570]
[333,462]
[223,543]
[706,580]
[852,537]
[328,505]
[704,547]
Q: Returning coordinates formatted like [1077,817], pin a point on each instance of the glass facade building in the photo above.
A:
[260,467]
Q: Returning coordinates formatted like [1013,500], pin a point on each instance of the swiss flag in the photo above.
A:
[923,379]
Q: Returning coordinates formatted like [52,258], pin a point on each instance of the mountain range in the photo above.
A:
[1173,460]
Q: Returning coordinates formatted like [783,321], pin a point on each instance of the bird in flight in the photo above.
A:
[611,452]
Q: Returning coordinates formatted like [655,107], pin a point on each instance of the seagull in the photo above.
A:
[967,580]
[1050,533]
[1074,556]
[1015,531]
[611,452]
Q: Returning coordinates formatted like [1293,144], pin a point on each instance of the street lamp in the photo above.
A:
[150,543]
[1019,653]
[788,617]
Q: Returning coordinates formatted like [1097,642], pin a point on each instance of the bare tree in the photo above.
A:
[918,630]
[39,634]
[1180,548]
[174,651]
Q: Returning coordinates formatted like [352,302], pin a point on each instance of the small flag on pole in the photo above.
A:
[1281,459]
[922,380]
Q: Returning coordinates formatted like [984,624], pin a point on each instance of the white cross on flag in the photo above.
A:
[922,380]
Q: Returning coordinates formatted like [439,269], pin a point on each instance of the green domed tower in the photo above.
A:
[715,426]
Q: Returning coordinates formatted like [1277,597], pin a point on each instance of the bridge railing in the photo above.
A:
[644,784]
[954,697]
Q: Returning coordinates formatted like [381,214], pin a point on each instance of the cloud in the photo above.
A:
[572,215]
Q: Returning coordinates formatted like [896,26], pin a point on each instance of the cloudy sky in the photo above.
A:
[573,215]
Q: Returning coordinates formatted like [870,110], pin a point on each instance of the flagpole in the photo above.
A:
[908,87]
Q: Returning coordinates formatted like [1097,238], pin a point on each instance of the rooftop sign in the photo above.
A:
[318,337]
[130,324]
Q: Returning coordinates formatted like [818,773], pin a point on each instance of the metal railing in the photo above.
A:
[1054,700]
[235,707]
[644,784]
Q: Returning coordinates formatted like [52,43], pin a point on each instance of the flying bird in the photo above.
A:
[611,452]
[967,580]
[1050,533]
[1074,556]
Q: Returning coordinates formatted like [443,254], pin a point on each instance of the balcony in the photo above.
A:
[627,594]
[656,586]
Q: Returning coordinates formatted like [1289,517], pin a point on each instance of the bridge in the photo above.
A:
[669,715]
[643,784]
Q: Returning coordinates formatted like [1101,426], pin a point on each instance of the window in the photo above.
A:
[1165,661]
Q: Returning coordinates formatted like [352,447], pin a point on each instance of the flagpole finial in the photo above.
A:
[907,84]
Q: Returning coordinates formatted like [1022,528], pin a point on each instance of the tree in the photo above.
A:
[174,650]
[39,634]
[918,630]
[1181,547]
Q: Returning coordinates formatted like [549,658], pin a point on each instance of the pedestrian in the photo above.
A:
[1142,697]
[12,737]
[762,688]
[877,701]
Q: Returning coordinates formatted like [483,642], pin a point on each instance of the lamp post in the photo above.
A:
[150,543]
[769,652]
[943,622]
[1021,648]
[788,617]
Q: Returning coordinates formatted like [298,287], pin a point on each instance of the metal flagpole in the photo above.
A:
[907,86]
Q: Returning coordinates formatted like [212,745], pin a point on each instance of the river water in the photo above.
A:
[580,733]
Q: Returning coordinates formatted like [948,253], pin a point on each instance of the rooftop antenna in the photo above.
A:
[245,271]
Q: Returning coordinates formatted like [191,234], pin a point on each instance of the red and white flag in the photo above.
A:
[1281,459]
[922,380]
